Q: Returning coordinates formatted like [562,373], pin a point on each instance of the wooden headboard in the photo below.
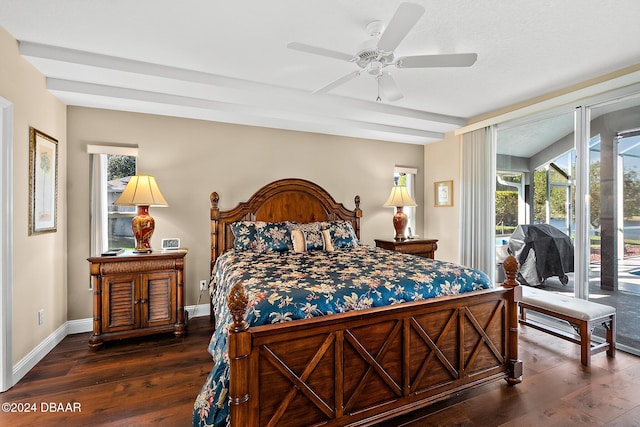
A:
[288,199]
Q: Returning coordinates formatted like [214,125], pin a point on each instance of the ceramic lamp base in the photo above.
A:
[400,223]
[143,226]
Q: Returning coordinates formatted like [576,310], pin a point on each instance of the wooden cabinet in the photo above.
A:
[136,295]
[425,248]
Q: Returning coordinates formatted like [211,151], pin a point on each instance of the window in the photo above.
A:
[111,167]
[407,176]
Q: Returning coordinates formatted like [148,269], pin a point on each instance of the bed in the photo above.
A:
[337,333]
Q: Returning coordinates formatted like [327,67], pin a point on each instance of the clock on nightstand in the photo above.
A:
[425,248]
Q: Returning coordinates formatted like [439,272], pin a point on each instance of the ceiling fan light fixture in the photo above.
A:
[389,88]
[375,68]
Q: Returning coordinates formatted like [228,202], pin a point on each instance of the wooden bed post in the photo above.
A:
[215,217]
[239,350]
[358,215]
[510,266]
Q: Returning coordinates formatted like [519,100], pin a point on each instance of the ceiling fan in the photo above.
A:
[377,53]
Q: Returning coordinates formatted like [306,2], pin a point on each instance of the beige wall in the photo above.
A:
[442,163]
[192,158]
[40,266]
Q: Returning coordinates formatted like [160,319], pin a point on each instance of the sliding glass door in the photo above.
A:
[577,169]
[614,190]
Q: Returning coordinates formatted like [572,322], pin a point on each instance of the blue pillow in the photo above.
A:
[275,237]
[342,234]
[246,236]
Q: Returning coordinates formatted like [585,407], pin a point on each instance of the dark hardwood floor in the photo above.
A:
[154,381]
[145,381]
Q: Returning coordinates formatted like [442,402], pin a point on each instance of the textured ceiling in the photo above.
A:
[228,61]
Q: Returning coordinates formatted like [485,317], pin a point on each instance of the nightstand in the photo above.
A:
[137,294]
[425,248]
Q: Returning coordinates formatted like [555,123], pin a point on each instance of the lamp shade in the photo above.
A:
[400,197]
[142,190]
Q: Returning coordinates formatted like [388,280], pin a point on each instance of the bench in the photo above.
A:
[581,314]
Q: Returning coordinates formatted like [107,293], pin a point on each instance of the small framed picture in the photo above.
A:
[443,191]
[170,244]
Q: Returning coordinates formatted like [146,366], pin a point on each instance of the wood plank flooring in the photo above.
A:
[154,381]
[145,381]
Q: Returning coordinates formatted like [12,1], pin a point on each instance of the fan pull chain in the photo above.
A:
[378,99]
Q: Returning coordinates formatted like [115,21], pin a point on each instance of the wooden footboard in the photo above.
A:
[365,366]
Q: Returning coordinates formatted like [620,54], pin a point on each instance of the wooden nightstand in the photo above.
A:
[137,294]
[425,248]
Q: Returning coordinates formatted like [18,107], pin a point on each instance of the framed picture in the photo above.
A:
[443,191]
[43,182]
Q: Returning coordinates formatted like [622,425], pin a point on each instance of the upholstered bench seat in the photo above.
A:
[581,314]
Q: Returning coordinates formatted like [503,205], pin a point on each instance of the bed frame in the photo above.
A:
[360,367]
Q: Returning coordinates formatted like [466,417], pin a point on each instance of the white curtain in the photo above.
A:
[477,195]
[98,199]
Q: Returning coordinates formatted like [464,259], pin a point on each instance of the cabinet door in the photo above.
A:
[159,301]
[121,296]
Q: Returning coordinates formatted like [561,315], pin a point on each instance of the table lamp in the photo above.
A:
[400,198]
[142,191]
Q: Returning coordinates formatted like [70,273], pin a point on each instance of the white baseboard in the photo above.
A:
[21,368]
[197,310]
[70,327]
[79,326]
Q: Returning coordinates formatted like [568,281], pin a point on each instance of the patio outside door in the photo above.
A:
[614,188]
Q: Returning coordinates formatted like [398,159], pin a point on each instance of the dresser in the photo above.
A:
[137,294]
[425,248]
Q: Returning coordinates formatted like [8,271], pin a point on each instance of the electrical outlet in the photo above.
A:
[41,316]
[203,285]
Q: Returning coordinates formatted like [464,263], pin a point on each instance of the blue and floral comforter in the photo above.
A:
[284,286]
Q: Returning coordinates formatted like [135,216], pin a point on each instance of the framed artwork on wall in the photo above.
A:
[43,182]
[443,192]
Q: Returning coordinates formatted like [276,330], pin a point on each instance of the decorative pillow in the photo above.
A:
[311,236]
[328,244]
[341,235]
[297,238]
[306,241]
[246,235]
[275,237]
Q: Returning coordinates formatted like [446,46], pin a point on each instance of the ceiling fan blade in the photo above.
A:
[389,87]
[342,80]
[426,61]
[321,51]
[402,22]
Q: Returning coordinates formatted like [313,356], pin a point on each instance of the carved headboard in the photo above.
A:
[290,199]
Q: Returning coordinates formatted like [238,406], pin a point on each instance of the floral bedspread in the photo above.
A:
[284,286]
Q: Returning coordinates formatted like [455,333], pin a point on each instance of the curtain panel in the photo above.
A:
[477,195]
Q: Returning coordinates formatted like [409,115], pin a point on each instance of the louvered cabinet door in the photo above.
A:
[159,299]
[121,303]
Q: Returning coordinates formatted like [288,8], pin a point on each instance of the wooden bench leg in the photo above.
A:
[585,343]
[611,336]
